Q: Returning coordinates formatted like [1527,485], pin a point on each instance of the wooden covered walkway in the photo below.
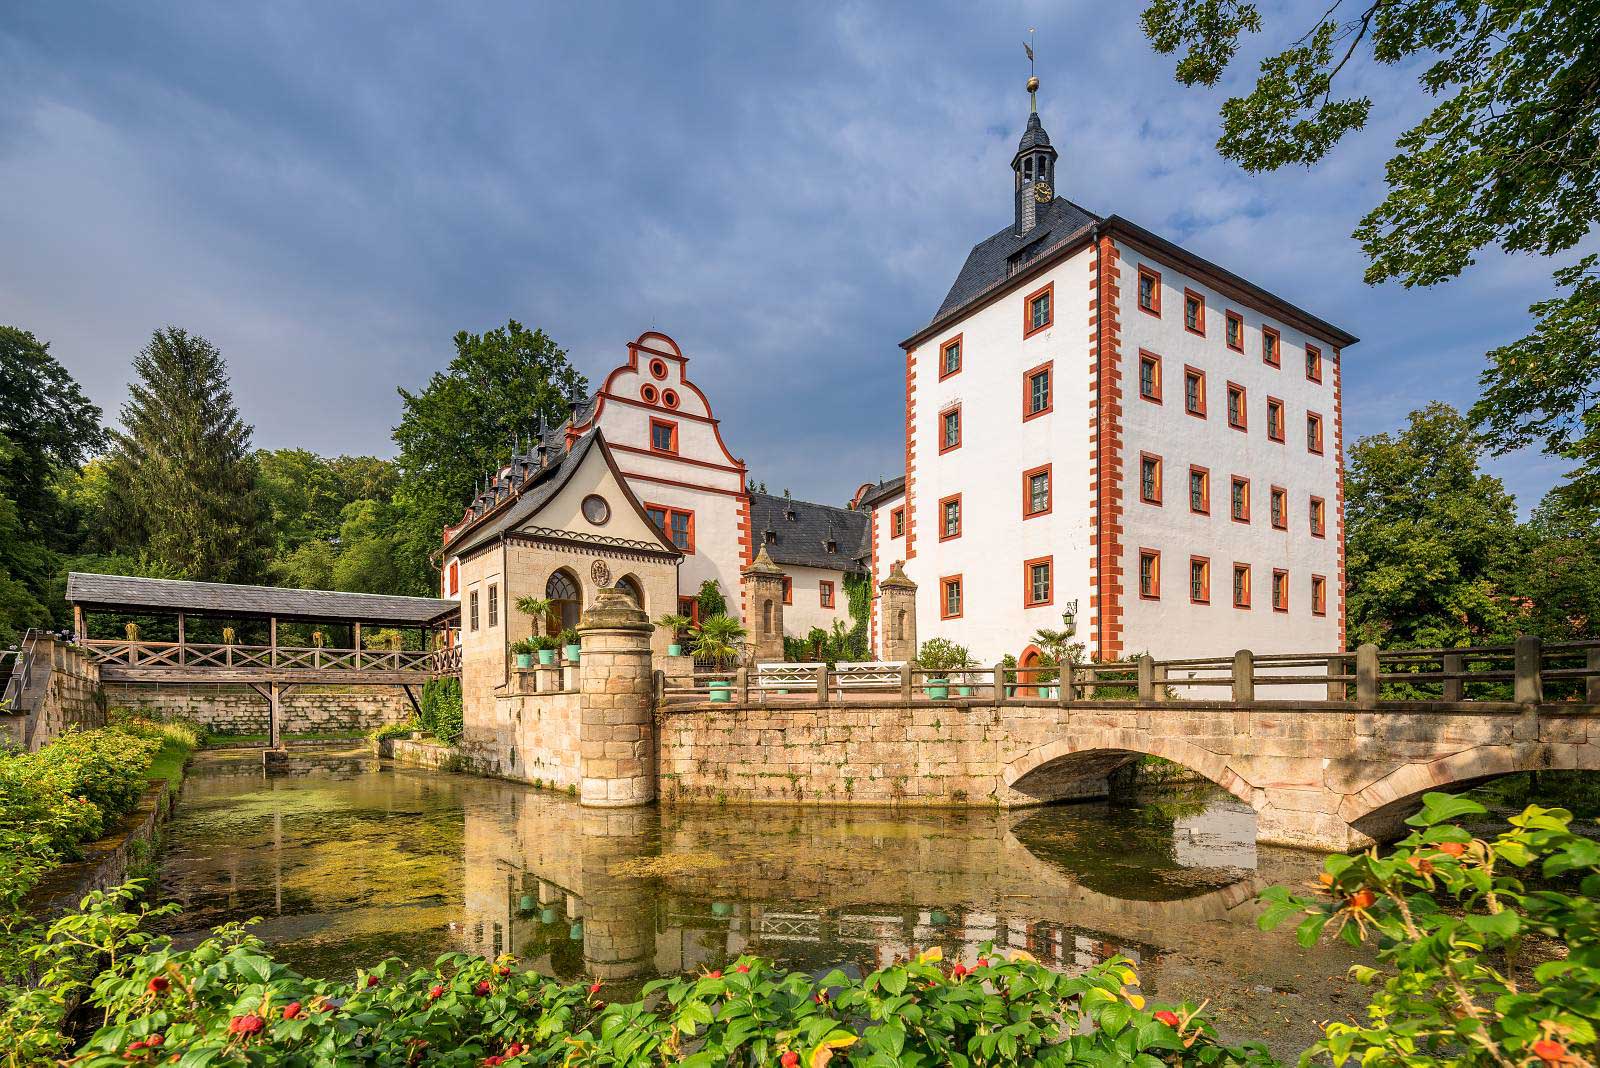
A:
[271,668]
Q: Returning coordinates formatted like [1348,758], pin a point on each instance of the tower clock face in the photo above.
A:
[1042,192]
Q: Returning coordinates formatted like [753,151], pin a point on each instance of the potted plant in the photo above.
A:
[229,636]
[570,645]
[546,648]
[719,638]
[1058,649]
[1008,666]
[968,662]
[523,650]
[938,657]
[542,610]
[674,625]
[131,631]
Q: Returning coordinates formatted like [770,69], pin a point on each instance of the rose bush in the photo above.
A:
[226,1002]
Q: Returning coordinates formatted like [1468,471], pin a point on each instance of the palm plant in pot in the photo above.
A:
[939,657]
[542,610]
[674,625]
[570,646]
[545,646]
[719,638]
[1058,649]
[523,650]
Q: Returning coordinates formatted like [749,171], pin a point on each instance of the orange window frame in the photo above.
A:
[1278,516]
[1239,482]
[1243,422]
[1241,590]
[1027,491]
[1319,517]
[1319,595]
[1199,326]
[1280,590]
[1027,582]
[954,498]
[1155,496]
[1199,376]
[1232,320]
[1314,420]
[667,513]
[1155,291]
[672,436]
[825,593]
[944,415]
[897,522]
[1154,396]
[1204,596]
[1277,420]
[944,350]
[1154,557]
[1046,369]
[945,582]
[1271,355]
[788,590]
[1205,489]
[1313,364]
[1028,329]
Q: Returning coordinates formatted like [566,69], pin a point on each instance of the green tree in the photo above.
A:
[1429,538]
[181,466]
[1506,157]
[1558,577]
[367,550]
[461,426]
[302,495]
[309,566]
[51,426]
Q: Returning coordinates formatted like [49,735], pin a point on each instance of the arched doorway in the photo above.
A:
[630,586]
[1030,672]
[567,595]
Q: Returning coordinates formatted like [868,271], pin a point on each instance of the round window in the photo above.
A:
[648,392]
[669,398]
[596,510]
[658,368]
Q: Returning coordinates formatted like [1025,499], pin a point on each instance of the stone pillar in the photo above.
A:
[763,592]
[616,741]
[897,603]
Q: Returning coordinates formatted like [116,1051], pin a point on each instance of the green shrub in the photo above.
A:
[1451,916]
[227,1002]
[441,709]
[402,729]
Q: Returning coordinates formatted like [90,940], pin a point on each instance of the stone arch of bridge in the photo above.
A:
[1047,772]
[1379,810]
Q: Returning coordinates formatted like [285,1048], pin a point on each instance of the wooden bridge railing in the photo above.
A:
[202,656]
[1525,672]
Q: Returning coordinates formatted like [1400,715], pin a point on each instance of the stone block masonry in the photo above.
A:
[63,692]
[233,709]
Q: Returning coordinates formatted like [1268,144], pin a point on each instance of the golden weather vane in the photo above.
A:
[1033,79]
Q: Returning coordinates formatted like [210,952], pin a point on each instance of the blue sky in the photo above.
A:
[329,192]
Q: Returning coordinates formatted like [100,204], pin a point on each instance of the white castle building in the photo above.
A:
[1098,424]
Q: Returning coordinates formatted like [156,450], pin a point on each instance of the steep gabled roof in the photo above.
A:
[802,530]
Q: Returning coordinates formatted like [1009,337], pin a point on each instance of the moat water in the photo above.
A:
[348,860]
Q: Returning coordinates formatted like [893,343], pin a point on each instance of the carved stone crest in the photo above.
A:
[600,573]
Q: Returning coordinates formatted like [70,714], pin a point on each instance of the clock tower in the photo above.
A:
[1035,167]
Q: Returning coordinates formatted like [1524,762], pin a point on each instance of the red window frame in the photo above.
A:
[1319,595]
[954,409]
[1205,580]
[788,590]
[1313,364]
[1244,407]
[1281,423]
[1200,316]
[960,516]
[1278,517]
[1233,319]
[1154,592]
[455,578]
[1198,375]
[1046,369]
[1027,494]
[897,519]
[944,348]
[1275,359]
[689,607]
[825,593]
[1156,499]
[1205,489]
[1155,378]
[667,512]
[1236,482]
[1313,419]
[1027,582]
[672,434]
[1280,585]
[1028,329]
[1155,291]
[1241,588]
[945,582]
[1318,515]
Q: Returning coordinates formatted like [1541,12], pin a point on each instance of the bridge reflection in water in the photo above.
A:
[350,860]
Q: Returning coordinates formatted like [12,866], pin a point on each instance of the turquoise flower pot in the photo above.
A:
[938,689]
[547,656]
[674,649]
[572,652]
[721,691]
[524,661]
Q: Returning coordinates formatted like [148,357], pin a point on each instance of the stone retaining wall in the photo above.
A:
[236,709]
[65,692]
[421,753]
[105,862]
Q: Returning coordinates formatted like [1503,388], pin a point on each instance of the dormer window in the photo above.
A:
[831,546]
[771,536]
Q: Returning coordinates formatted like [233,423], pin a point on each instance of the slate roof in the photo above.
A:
[987,263]
[526,498]
[801,541]
[228,599]
[894,487]
[1033,136]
